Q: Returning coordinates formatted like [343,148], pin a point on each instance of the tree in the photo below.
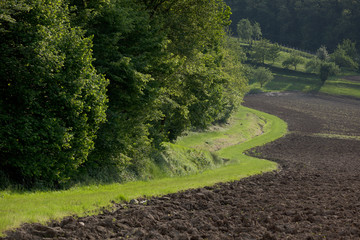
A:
[324,69]
[313,65]
[349,47]
[273,52]
[7,9]
[256,31]
[293,60]
[245,30]
[263,50]
[129,48]
[166,64]
[260,51]
[322,54]
[261,75]
[52,101]
[343,60]
[345,55]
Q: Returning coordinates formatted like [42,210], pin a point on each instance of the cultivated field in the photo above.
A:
[316,194]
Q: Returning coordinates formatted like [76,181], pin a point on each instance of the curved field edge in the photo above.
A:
[16,208]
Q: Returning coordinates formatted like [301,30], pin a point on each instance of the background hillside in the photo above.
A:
[305,24]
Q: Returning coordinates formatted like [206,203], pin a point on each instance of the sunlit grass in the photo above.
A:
[287,80]
[300,80]
[283,56]
[243,126]
[17,208]
[341,87]
[273,129]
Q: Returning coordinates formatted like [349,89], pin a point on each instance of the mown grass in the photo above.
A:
[273,129]
[243,126]
[300,80]
[341,87]
[290,80]
[17,208]
[284,55]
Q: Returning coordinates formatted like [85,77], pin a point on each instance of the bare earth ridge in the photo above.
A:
[315,195]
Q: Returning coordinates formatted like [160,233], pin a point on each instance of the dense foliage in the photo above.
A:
[167,65]
[247,31]
[305,24]
[52,101]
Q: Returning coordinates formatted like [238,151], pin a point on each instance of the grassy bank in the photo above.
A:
[16,208]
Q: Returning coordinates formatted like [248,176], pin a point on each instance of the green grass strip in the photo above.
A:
[272,130]
[17,208]
[244,125]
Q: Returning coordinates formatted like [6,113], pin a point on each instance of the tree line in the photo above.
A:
[305,24]
[258,49]
[92,88]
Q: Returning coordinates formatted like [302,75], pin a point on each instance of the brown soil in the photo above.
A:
[316,195]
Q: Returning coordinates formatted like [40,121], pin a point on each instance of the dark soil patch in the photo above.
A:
[316,195]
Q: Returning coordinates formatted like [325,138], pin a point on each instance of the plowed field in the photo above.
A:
[315,194]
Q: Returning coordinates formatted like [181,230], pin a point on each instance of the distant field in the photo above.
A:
[299,80]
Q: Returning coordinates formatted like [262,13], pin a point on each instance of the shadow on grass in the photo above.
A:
[345,85]
[290,80]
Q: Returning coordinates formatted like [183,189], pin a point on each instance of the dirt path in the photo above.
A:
[316,195]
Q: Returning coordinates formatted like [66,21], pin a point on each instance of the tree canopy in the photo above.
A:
[248,31]
[96,86]
[52,100]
